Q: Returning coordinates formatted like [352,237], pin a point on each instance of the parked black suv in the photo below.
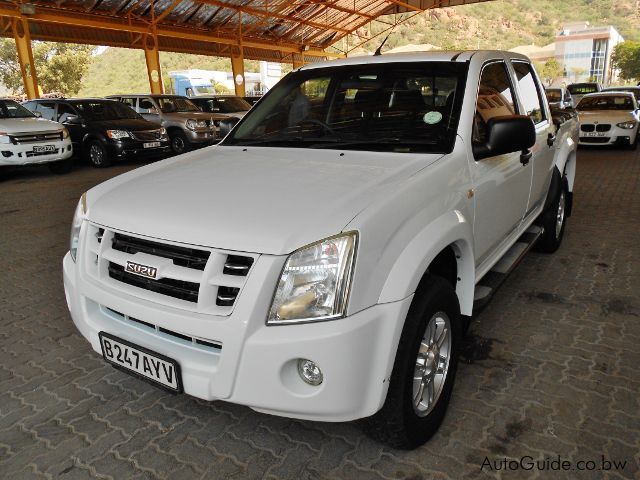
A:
[103,130]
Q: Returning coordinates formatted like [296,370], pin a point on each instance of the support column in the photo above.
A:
[237,67]
[20,29]
[152,56]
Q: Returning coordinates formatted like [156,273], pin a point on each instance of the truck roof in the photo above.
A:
[433,56]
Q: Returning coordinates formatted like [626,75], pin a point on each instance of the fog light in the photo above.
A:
[310,372]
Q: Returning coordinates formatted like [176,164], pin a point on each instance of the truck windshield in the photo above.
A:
[176,104]
[105,110]
[554,94]
[397,107]
[11,109]
[582,88]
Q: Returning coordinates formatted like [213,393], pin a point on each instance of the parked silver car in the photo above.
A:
[186,124]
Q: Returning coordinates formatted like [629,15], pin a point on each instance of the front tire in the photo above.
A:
[179,142]
[97,154]
[554,220]
[424,369]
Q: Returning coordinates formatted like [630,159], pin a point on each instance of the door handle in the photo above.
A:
[551,139]
[525,156]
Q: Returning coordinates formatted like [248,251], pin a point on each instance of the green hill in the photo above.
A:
[497,24]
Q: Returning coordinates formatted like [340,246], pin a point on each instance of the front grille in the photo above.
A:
[147,135]
[183,257]
[40,137]
[603,127]
[587,128]
[173,288]
[200,279]
[210,345]
[41,154]
[594,139]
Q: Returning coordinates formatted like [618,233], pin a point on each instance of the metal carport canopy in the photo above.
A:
[274,30]
[265,30]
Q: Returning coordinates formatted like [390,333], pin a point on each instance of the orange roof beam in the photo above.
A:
[108,23]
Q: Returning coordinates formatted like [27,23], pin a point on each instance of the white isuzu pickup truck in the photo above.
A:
[323,260]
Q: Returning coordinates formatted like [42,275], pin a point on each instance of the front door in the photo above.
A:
[501,183]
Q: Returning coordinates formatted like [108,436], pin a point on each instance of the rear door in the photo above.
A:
[532,104]
[501,183]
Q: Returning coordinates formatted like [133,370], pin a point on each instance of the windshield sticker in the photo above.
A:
[431,118]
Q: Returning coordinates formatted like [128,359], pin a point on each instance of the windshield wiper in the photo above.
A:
[400,142]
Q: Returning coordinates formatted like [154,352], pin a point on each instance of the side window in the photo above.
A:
[495,98]
[129,101]
[64,110]
[47,109]
[146,106]
[529,92]
[31,106]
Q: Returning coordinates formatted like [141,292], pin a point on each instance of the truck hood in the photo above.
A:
[255,199]
[28,125]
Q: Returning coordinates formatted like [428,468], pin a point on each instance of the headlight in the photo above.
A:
[627,125]
[314,283]
[117,134]
[163,132]
[193,124]
[65,133]
[78,217]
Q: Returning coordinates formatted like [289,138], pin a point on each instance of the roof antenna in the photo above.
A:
[379,49]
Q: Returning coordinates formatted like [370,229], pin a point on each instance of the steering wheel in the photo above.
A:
[318,122]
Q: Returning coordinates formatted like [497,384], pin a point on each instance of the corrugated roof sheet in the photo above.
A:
[264,29]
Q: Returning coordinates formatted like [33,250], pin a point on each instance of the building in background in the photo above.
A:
[583,51]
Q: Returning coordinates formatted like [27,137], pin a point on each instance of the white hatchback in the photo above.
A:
[609,118]
[26,139]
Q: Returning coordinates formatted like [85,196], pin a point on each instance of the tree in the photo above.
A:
[551,70]
[626,58]
[59,66]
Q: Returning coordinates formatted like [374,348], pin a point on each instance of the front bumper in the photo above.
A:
[201,136]
[256,365]
[615,136]
[129,148]
[23,154]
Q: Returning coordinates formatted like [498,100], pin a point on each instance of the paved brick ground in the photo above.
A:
[551,365]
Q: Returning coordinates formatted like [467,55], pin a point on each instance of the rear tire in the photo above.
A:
[61,167]
[97,154]
[554,220]
[422,378]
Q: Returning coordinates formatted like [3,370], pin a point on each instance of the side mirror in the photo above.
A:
[37,114]
[73,120]
[506,134]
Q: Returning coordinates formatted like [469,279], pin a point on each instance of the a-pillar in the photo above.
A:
[237,67]
[152,56]
[20,29]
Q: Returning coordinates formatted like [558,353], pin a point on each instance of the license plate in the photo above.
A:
[44,148]
[594,134]
[151,144]
[142,362]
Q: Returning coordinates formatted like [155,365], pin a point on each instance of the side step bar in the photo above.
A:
[501,270]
